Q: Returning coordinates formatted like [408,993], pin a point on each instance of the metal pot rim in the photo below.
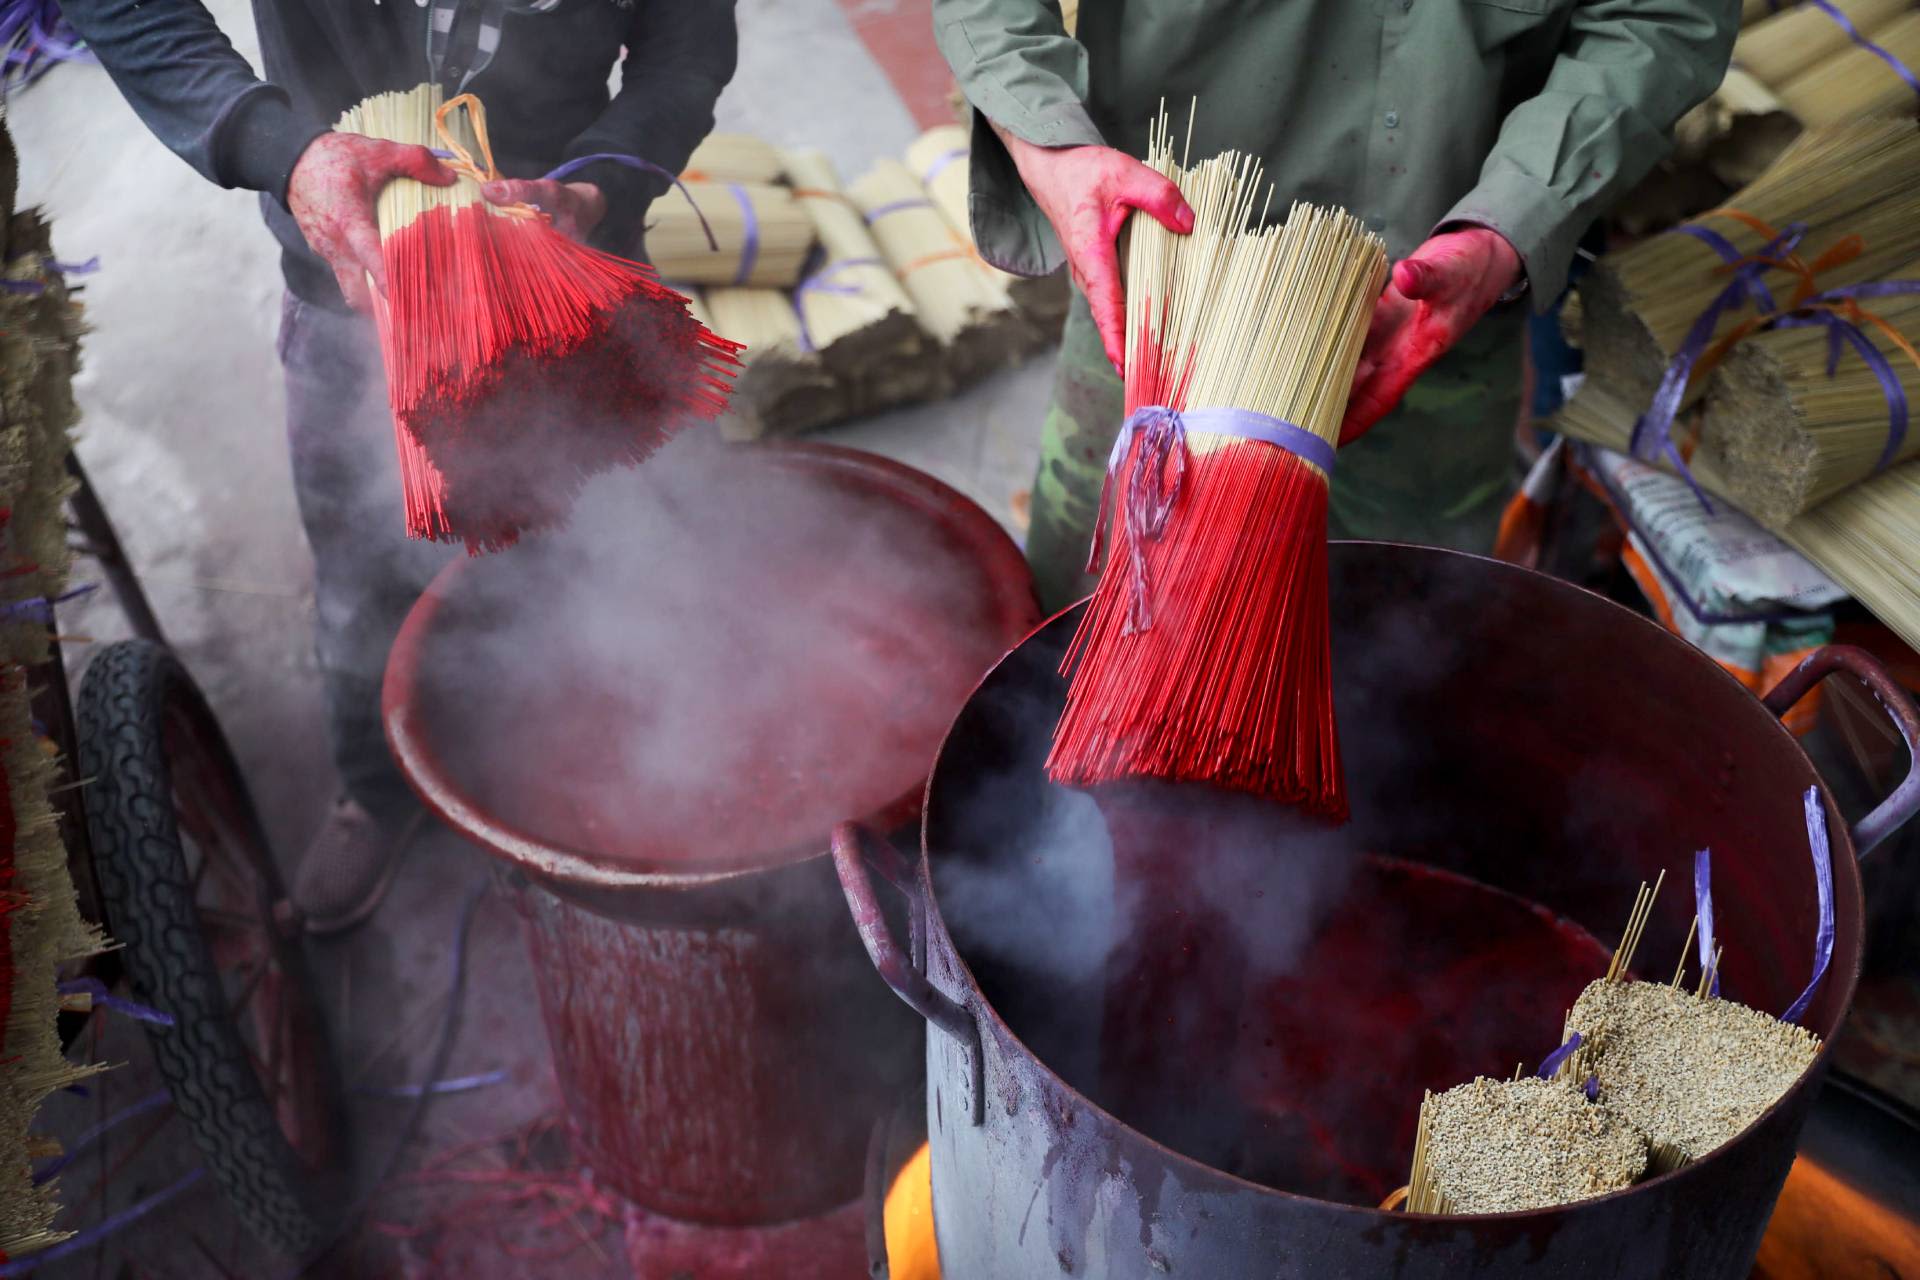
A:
[1848,896]
[1009,600]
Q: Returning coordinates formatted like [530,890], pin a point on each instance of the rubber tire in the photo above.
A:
[286,1204]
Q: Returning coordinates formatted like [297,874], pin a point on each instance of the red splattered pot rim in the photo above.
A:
[1005,607]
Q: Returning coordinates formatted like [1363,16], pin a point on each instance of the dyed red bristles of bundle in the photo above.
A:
[1204,655]
[519,362]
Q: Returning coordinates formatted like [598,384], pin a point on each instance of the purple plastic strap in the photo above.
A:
[102,1231]
[1853,33]
[1553,1060]
[1823,884]
[896,206]
[578,163]
[1842,331]
[749,233]
[940,163]
[106,999]
[86,268]
[1147,498]
[1653,433]
[1729,254]
[821,281]
[1593,1088]
[438,1088]
[152,1102]
[1703,907]
[39,608]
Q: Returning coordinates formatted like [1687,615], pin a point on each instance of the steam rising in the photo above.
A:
[717,659]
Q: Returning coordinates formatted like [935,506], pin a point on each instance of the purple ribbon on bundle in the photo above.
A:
[1823,886]
[1853,33]
[1703,908]
[39,608]
[1148,498]
[1842,331]
[1652,437]
[940,163]
[878,212]
[107,1000]
[36,35]
[1553,1060]
[821,281]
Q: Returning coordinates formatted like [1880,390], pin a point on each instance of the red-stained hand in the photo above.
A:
[1436,294]
[575,207]
[1087,194]
[331,195]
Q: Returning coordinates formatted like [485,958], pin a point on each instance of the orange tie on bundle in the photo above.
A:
[518,361]
[1204,655]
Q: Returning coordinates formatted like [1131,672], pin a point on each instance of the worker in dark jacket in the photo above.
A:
[1479,137]
[542,68]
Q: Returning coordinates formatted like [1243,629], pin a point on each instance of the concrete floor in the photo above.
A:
[183,437]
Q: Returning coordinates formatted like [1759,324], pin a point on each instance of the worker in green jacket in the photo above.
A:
[1481,138]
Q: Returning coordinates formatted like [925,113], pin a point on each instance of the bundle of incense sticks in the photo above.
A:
[518,361]
[1204,655]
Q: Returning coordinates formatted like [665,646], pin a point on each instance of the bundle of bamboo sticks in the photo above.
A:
[735,157]
[938,158]
[1794,424]
[1846,184]
[1794,66]
[761,235]
[962,306]
[782,383]
[1856,81]
[1863,538]
[855,313]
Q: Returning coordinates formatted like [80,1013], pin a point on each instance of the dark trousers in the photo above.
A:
[367,573]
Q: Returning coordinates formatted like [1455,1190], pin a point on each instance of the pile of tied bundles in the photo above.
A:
[1795,65]
[40,927]
[1768,346]
[850,298]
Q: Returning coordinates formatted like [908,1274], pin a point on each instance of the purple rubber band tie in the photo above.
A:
[578,163]
[1653,434]
[896,206]
[107,1000]
[940,163]
[821,281]
[1703,907]
[1900,68]
[1593,1088]
[749,234]
[1553,1061]
[1823,885]
[1147,499]
[93,1237]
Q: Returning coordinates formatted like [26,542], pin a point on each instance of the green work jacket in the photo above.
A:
[1527,116]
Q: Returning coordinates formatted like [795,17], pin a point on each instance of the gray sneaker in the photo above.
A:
[347,868]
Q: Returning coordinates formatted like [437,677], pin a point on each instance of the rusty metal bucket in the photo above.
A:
[721,1045]
[1556,747]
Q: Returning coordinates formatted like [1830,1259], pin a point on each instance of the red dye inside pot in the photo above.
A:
[724,654]
[1306,1074]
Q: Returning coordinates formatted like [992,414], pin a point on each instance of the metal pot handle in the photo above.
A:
[855,848]
[1899,806]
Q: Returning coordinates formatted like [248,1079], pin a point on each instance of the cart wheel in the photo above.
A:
[191,891]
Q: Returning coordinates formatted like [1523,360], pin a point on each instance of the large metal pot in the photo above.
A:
[721,1046]
[1563,749]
